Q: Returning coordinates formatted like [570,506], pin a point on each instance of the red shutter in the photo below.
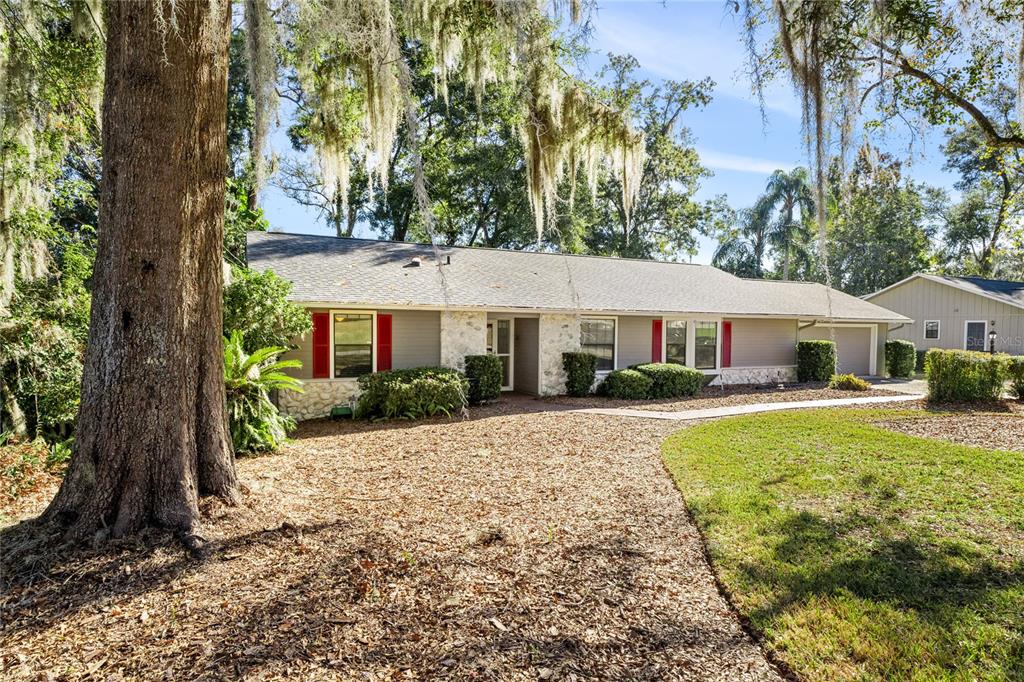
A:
[383,342]
[727,344]
[656,341]
[321,345]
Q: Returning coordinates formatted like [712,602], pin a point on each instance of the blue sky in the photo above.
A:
[693,40]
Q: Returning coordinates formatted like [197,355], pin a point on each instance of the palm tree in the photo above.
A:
[787,192]
[741,250]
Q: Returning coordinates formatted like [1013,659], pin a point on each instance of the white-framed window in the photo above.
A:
[705,344]
[675,341]
[597,337]
[931,329]
[352,341]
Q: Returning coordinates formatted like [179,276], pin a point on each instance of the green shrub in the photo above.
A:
[256,304]
[671,380]
[848,382]
[484,375]
[815,360]
[412,393]
[919,365]
[627,384]
[580,370]
[900,358]
[256,424]
[1015,368]
[965,376]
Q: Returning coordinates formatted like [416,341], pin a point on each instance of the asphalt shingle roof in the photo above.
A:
[377,273]
[1002,289]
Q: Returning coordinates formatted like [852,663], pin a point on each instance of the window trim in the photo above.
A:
[938,330]
[373,339]
[615,340]
[691,339]
[718,346]
[665,321]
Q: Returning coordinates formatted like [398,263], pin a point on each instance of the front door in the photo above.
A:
[499,342]
[974,336]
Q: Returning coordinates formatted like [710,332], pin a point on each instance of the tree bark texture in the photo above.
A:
[152,431]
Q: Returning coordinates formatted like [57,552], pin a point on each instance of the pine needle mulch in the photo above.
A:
[517,544]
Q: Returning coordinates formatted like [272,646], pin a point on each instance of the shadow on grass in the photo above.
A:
[954,586]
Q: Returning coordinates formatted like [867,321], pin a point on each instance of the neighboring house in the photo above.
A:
[957,312]
[388,305]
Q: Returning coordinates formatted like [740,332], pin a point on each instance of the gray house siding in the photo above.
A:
[763,343]
[853,345]
[634,340]
[922,300]
[415,341]
[415,338]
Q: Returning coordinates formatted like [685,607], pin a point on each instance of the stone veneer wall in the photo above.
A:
[756,375]
[317,398]
[558,334]
[462,334]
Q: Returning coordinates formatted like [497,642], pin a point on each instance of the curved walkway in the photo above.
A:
[731,410]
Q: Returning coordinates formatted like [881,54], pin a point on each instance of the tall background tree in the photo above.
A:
[861,66]
[882,224]
[987,221]
[791,195]
[151,436]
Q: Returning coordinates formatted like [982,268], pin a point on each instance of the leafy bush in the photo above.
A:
[256,304]
[965,376]
[28,467]
[412,393]
[484,375]
[255,423]
[919,365]
[900,358]
[671,380]
[1015,368]
[627,384]
[580,370]
[848,382]
[815,360]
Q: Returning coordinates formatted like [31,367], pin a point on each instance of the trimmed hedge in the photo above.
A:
[919,366]
[1015,368]
[580,370]
[900,358]
[412,393]
[627,384]
[815,360]
[671,380]
[848,382]
[965,376]
[484,375]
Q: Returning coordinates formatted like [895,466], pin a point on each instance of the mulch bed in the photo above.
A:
[723,397]
[517,544]
[999,426]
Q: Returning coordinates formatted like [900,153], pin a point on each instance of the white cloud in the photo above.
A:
[743,164]
[665,39]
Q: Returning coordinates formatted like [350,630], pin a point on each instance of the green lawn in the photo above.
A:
[862,553]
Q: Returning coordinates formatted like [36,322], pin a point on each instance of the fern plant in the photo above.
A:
[256,424]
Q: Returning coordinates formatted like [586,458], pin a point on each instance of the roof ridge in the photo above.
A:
[478,248]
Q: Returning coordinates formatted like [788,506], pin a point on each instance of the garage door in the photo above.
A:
[852,343]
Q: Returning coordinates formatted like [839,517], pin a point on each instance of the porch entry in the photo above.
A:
[499,342]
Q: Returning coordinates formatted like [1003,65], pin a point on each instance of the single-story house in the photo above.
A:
[380,305]
[968,313]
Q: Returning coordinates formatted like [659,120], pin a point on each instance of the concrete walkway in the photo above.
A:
[713,412]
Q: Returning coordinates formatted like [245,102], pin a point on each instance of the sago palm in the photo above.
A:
[256,424]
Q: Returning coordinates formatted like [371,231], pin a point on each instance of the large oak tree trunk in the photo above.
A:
[152,428]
